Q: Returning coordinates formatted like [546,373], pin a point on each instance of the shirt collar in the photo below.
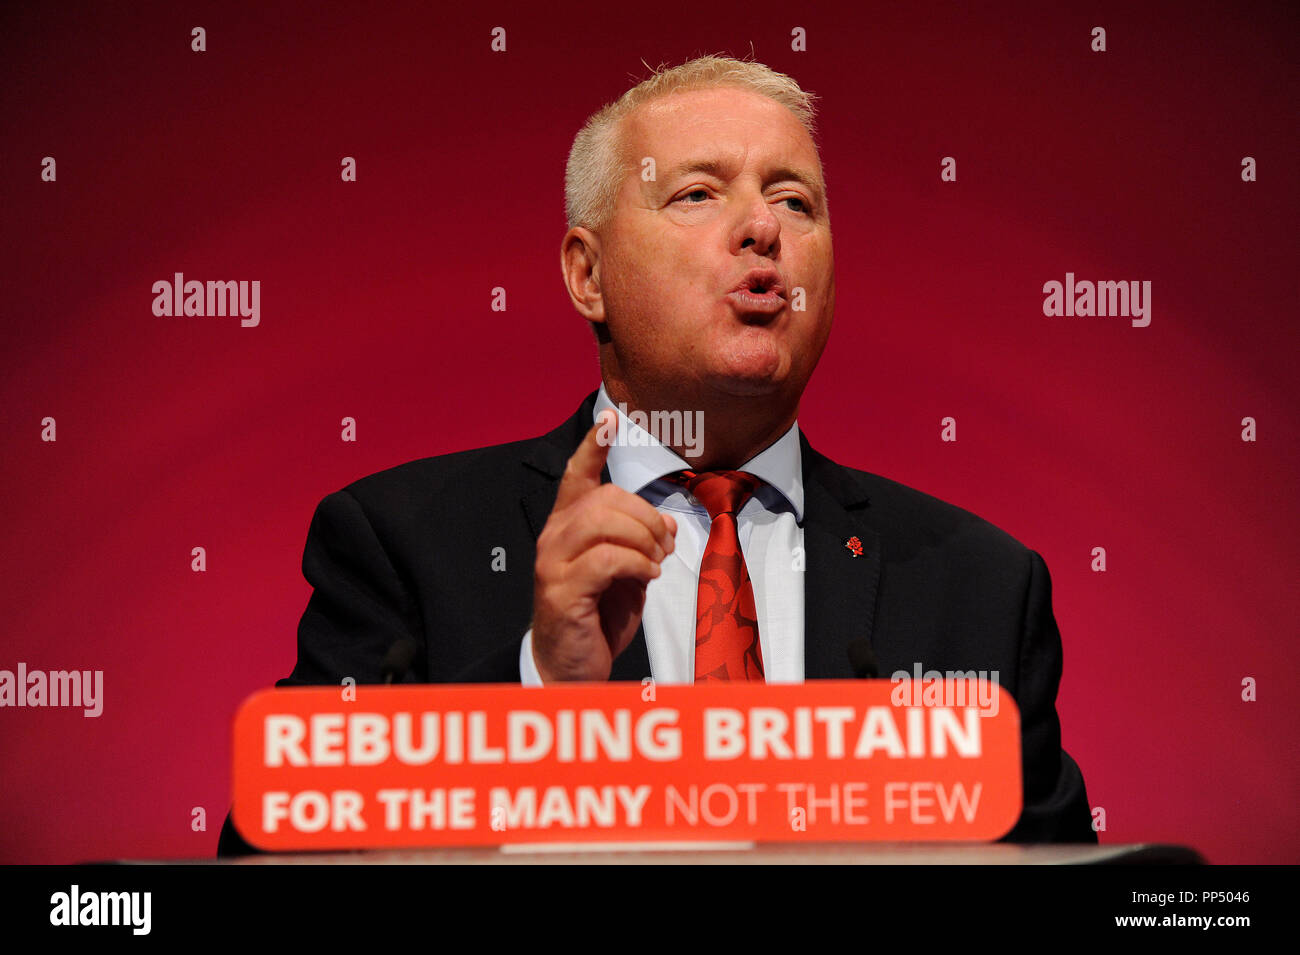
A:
[637,459]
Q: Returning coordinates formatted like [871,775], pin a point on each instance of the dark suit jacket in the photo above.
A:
[408,552]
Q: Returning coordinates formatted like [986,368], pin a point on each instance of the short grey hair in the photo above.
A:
[596,164]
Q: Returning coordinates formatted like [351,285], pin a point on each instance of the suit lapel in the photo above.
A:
[839,588]
[545,461]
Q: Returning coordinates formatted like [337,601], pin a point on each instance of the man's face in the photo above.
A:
[699,268]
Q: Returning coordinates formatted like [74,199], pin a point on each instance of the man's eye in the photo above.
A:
[702,193]
[799,204]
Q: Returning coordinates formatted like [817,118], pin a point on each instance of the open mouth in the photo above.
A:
[760,292]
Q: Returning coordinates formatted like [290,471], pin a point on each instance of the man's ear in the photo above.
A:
[580,264]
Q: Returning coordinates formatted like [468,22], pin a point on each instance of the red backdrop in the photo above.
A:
[1073,433]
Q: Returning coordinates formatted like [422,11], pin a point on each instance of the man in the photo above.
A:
[699,250]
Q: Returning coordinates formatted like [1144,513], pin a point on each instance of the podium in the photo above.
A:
[743,853]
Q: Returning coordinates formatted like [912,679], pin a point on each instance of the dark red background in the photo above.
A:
[1072,432]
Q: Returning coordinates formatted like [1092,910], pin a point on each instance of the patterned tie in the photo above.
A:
[726,621]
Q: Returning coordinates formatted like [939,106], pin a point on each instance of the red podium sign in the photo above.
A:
[371,767]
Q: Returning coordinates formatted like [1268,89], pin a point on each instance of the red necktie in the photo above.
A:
[726,622]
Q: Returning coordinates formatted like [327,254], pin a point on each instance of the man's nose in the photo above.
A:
[759,229]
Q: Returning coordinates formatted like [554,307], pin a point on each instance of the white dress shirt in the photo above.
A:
[771,539]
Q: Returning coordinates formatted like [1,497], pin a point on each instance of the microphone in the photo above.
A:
[398,660]
[863,659]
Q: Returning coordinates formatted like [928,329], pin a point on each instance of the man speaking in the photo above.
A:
[699,250]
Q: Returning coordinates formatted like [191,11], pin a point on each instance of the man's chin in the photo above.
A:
[750,369]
